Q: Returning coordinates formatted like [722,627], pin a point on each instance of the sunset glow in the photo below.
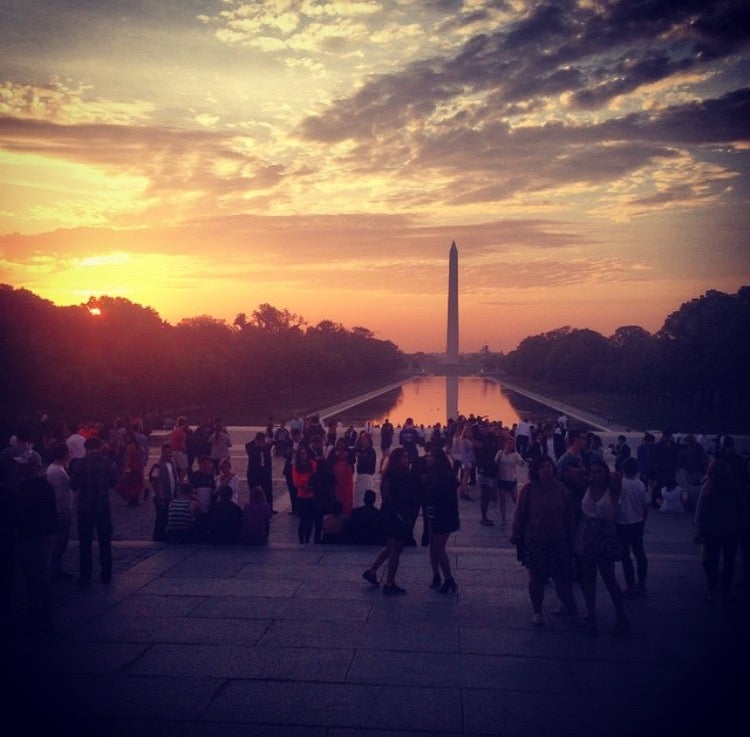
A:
[590,159]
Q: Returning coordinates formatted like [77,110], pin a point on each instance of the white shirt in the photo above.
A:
[75,443]
[233,484]
[605,508]
[507,463]
[632,502]
[523,428]
[60,482]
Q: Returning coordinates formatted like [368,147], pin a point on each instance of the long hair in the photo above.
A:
[535,464]
[302,464]
[603,465]
[394,459]
[441,462]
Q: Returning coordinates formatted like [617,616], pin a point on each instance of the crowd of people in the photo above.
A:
[583,509]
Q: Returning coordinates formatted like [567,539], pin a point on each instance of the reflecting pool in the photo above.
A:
[431,399]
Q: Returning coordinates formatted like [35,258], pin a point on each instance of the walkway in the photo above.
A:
[574,413]
[289,640]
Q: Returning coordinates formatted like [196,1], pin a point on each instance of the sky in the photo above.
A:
[201,157]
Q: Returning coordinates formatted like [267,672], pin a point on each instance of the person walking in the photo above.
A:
[441,502]
[543,527]
[597,545]
[399,508]
[719,527]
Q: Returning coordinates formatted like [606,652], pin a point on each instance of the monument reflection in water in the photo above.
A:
[432,399]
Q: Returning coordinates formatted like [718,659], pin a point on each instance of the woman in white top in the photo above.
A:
[227,477]
[463,452]
[597,544]
[220,445]
[508,462]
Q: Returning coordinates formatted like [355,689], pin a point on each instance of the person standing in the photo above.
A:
[36,522]
[178,441]
[719,526]
[259,466]
[410,439]
[303,467]
[340,463]
[663,466]
[366,463]
[221,442]
[93,477]
[523,436]
[386,440]
[130,484]
[58,477]
[485,450]
[289,454]
[164,478]
[631,520]
[508,462]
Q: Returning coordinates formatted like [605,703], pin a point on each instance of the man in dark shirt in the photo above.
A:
[259,468]
[93,476]
[410,439]
[36,522]
[365,523]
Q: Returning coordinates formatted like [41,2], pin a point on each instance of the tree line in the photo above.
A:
[111,356]
[696,366]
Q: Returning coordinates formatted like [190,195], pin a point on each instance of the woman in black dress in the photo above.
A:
[441,502]
[400,505]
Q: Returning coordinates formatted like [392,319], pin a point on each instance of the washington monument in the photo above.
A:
[451,348]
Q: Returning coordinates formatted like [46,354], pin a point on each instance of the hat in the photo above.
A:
[30,457]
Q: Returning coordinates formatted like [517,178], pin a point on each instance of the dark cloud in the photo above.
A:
[171,158]
[594,52]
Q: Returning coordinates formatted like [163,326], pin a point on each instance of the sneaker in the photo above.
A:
[630,592]
[563,611]
[62,576]
[622,627]
[390,589]
[537,620]
[588,624]
[486,523]
[370,577]
[641,589]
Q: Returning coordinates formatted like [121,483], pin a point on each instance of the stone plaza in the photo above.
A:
[288,639]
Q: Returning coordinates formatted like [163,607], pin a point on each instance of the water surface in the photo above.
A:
[432,399]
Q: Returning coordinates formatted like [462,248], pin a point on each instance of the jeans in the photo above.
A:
[631,538]
[714,548]
[102,521]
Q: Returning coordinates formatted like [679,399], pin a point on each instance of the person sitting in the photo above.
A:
[334,524]
[181,516]
[255,524]
[671,499]
[225,519]
[365,524]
